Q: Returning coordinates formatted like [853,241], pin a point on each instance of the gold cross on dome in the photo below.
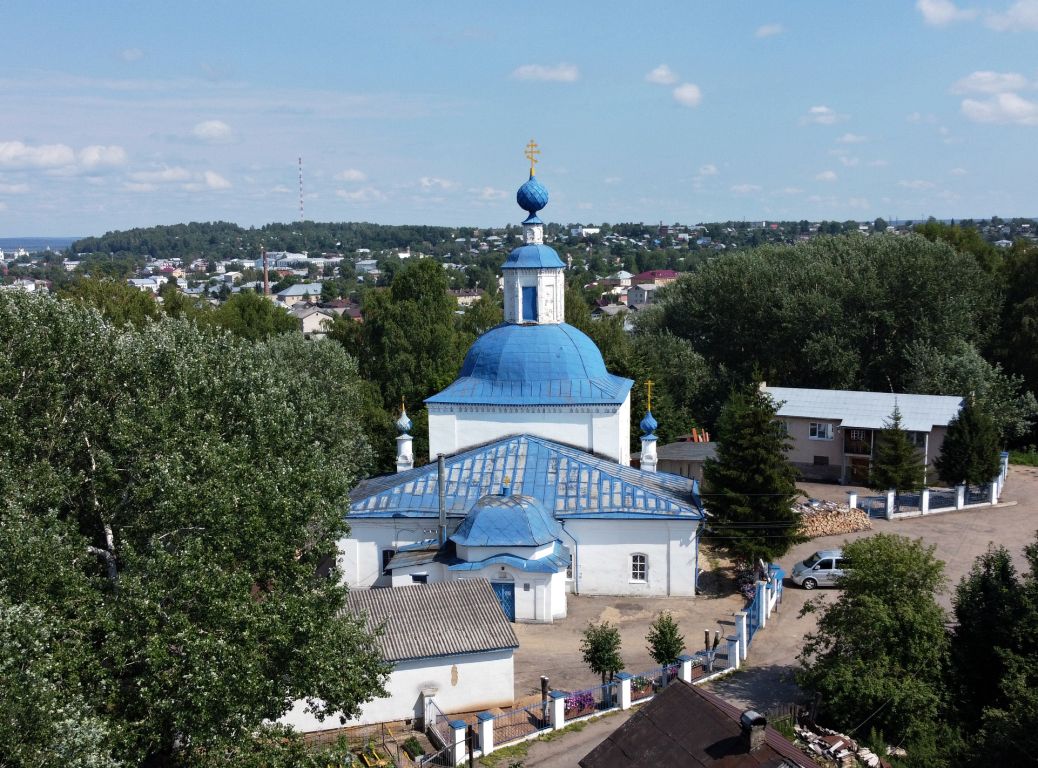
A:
[531,154]
[648,388]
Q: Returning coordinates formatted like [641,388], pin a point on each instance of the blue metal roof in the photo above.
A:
[533,256]
[507,521]
[567,481]
[550,364]
[553,562]
[532,196]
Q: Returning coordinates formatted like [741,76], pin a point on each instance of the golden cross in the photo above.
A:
[648,387]
[531,154]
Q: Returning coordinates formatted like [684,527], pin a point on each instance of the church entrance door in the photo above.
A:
[506,596]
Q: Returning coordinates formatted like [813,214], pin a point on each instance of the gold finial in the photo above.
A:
[648,394]
[402,409]
[531,154]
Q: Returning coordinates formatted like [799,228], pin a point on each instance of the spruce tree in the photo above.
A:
[897,465]
[750,487]
[969,454]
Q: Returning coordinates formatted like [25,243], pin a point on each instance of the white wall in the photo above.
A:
[604,430]
[604,549]
[360,555]
[464,683]
[551,295]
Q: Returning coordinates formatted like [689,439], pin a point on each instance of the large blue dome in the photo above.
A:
[507,521]
[527,364]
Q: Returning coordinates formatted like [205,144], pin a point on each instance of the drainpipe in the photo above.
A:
[441,493]
[573,558]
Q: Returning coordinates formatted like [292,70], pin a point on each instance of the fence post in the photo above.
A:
[458,726]
[558,710]
[890,504]
[960,496]
[486,732]
[741,633]
[852,499]
[762,599]
[994,492]
[733,651]
[625,689]
[924,501]
[686,667]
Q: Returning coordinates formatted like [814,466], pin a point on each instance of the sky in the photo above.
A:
[123,114]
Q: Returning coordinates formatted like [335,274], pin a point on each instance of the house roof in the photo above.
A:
[569,482]
[684,725]
[423,621]
[301,289]
[507,521]
[866,410]
[686,450]
[656,274]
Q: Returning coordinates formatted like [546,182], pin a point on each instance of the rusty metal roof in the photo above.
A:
[424,621]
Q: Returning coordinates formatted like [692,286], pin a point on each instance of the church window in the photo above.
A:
[529,303]
[387,555]
[639,568]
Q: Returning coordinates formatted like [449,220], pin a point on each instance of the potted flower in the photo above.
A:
[641,687]
[579,704]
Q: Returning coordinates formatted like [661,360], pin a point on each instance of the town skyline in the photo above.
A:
[118,118]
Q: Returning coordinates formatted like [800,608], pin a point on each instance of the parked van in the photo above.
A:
[822,569]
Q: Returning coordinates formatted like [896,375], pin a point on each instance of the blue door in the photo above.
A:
[506,596]
[530,304]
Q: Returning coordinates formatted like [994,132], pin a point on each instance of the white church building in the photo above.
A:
[529,483]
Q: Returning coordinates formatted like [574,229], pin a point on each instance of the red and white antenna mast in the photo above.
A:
[301,217]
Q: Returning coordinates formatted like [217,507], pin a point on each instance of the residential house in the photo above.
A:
[300,292]
[448,640]
[656,277]
[314,322]
[642,294]
[684,457]
[833,432]
[466,297]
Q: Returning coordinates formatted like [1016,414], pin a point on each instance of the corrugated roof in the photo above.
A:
[569,482]
[866,410]
[429,620]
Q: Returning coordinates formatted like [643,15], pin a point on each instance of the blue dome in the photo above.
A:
[403,424]
[648,423]
[507,521]
[533,257]
[532,196]
[550,364]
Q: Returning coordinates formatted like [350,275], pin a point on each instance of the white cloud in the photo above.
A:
[213,132]
[984,81]
[849,161]
[917,184]
[1021,15]
[769,30]
[99,156]
[858,203]
[938,13]
[13,189]
[852,138]
[745,189]
[662,75]
[431,182]
[558,73]
[822,115]
[790,191]
[688,94]
[1001,108]
[351,174]
[826,176]
[708,170]
[489,193]
[213,180]
[163,176]
[958,171]
[612,179]
[919,117]
[131,54]
[15,154]
[363,195]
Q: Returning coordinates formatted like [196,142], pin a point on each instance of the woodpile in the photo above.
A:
[830,518]
[836,749]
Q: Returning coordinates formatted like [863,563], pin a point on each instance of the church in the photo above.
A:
[529,483]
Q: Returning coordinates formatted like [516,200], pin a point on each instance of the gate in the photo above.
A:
[505,591]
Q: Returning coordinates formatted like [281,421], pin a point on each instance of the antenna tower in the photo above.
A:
[301,218]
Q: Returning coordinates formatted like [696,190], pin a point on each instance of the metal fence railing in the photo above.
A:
[519,723]
[943,498]
[586,702]
[438,726]
[874,506]
[978,494]
[441,759]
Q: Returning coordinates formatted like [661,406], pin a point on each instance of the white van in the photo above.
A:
[822,569]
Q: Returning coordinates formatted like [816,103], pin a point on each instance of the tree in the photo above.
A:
[158,511]
[750,487]
[254,317]
[119,302]
[665,640]
[600,647]
[969,453]
[897,465]
[878,656]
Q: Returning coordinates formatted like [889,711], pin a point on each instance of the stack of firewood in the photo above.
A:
[830,518]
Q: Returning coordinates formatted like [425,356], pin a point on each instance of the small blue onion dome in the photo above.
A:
[648,423]
[404,422]
[532,196]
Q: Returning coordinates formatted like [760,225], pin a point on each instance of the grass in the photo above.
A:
[515,753]
[1028,458]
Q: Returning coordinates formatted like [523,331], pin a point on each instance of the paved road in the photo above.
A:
[767,679]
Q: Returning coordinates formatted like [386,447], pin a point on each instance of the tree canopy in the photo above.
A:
[897,464]
[170,500]
[969,453]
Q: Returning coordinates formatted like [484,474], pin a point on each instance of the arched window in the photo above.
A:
[639,567]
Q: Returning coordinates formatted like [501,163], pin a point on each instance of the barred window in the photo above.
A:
[639,568]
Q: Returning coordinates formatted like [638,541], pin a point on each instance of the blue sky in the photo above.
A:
[121,114]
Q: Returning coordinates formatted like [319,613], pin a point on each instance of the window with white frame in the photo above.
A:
[639,567]
[820,431]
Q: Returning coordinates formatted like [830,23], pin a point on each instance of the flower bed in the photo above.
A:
[579,704]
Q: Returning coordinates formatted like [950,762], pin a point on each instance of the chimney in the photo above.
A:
[266,274]
[441,492]
[753,726]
